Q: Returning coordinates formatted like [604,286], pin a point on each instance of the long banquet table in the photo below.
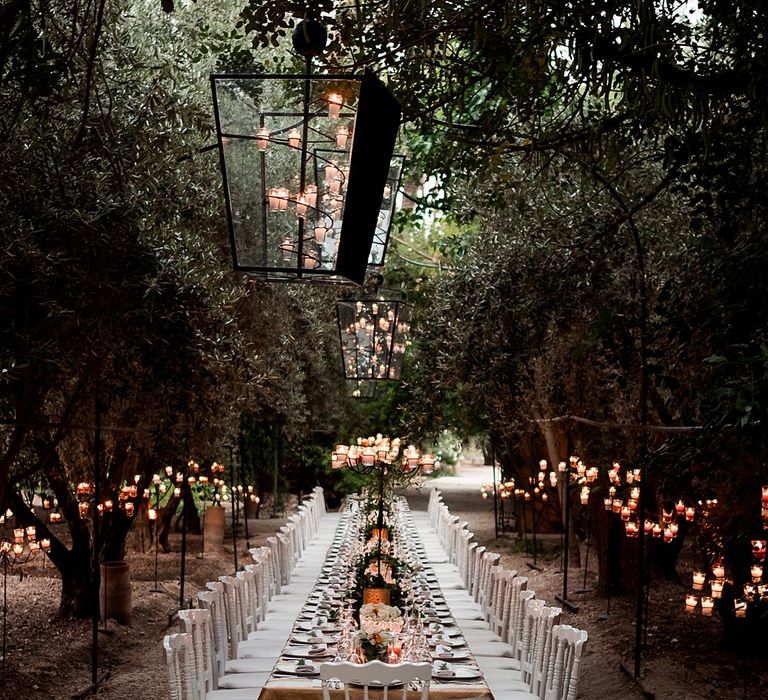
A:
[286,683]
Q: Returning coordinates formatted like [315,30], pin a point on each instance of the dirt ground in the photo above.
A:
[49,657]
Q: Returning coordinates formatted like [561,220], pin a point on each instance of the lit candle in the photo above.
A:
[262,138]
[177,492]
[46,504]
[294,138]
[625,513]
[108,505]
[310,262]
[632,504]
[18,534]
[648,526]
[717,589]
[680,507]
[274,199]
[765,495]
[740,608]
[707,605]
[757,572]
[152,514]
[608,503]
[342,135]
[698,580]
[674,528]
[691,601]
[690,513]
[758,549]
[301,205]
[617,503]
[18,549]
[657,530]
[666,517]
[129,509]
[718,569]
[133,491]
[630,528]
[668,536]
[335,102]
[311,192]
[584,495]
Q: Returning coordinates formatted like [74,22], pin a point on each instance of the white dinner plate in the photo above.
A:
[459,673]
[304,652]
[305,639]
[291,668]
[460,655]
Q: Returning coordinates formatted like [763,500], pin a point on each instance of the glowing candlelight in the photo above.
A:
[717,589]
[342,135]
[294,138]
[718,570]
[691,601]
[690,513]
[757,572]
[707,605]
[335,102]
[740,608]
[698,580]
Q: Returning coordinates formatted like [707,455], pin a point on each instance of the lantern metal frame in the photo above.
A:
[295,159]
[373,334]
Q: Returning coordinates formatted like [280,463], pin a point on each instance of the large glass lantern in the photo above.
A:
[374,336]
[308,172]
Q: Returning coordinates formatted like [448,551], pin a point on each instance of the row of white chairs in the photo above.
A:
[521,646]
[202,657]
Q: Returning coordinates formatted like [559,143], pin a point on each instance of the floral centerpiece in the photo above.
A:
[375,617]
[372,645]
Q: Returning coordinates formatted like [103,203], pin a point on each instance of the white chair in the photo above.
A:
[376,674]
[179,662]
[198,625]
[213,601]
[562,679]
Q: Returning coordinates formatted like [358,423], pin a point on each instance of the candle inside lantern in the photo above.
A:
[757,572]
[680,507]
[648,526]
[765,495]
[301,205]
[758,549]
[45,544]
[18,534]
[666,517]
[698,580]
[129,509]
[625,513]
[691,601]
[608,503]
[152,514]
[262,138]
[657,530]
[668,536]
[690,513]
[631,528]
[335,102]
[617,503]
[717,588]
[718,569]
[740,608]
[707,605]
[342,135]
[294,138]
[18,549]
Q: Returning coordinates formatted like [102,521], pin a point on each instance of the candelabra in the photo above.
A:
[14,552]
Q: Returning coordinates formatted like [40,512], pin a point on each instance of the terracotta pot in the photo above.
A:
[213,528]
[115,592]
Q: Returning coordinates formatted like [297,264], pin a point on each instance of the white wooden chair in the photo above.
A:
[562,679]
[213,601]
[378,675]
[179,662]
[198,625]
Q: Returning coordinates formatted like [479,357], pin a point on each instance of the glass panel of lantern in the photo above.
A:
[361,389]
[374,336]
[306,161]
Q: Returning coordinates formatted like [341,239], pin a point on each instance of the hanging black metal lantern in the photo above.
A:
[308,171]
[374,336]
